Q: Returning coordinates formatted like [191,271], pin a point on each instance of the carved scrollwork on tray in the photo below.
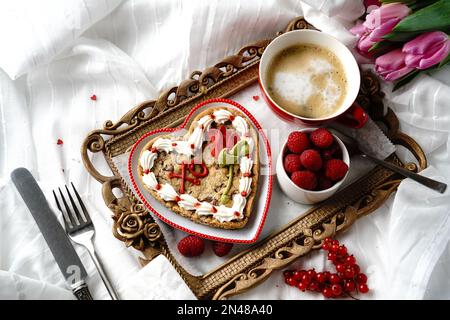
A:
[370,96]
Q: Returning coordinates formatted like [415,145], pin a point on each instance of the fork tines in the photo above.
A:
[74,218]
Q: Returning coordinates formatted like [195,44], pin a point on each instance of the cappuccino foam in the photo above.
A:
[307,80]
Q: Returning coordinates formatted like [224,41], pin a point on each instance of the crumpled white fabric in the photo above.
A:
[126,52]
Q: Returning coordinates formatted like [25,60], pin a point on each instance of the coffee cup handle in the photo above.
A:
[355,117]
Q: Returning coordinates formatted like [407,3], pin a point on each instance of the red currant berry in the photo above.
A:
[287,273]
[342,250]
[356,269]
[302,286]
[361,278]
[297,275]
[332,256]
[327,292]
[350,260]
[334,278]
[290,281]
[326,274]
[326,246]
[337,290]
[349,286]
[306,279]
[349,274]
[312,274]
[334,248]
[321,277]
[363,288]
[328,240]
[335,242]
[314,286]
[340,267]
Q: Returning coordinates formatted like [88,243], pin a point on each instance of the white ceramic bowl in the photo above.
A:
[307,196]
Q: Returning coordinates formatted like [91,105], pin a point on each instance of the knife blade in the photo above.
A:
[65,255]
[371,139]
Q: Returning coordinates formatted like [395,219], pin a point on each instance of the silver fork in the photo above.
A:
[80,229]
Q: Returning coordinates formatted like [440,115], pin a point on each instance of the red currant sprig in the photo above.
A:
[347,279]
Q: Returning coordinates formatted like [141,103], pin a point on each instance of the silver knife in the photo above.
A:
[65,255]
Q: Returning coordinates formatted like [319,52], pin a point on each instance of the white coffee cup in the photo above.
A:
[349,113]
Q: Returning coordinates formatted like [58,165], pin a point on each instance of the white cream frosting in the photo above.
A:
[206,122]
[167,192]
[225,214]
[205,209]
[183,147]
[241,125]
[222,115]
[188,202]
[196,138]
[162,144]
[244,184]
[239,202]
[246,165]
[150,180]
[147,159]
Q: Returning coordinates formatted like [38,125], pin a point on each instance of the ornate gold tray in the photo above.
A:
[135,227]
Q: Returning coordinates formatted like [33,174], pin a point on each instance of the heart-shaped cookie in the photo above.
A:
[210,174]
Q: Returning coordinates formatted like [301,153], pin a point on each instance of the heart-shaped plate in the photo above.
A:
[253,228]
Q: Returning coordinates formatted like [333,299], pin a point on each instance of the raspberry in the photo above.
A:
[191,246]
[221,248]
[321,138]
[298,142]
[333,152]
[305,179]
[335,169]
[311,160]
[292,163]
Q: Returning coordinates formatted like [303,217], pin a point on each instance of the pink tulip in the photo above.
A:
[427,50]
[391,66]
[379,22]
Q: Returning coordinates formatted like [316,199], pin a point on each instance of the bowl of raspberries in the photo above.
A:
[312,165]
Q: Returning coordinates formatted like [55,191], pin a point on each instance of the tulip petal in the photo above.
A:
[364,44]
[412,60]
[398,73]
[385,13]
[378,33]
[382,72]
[422,43]
[437,57]
[391,60]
